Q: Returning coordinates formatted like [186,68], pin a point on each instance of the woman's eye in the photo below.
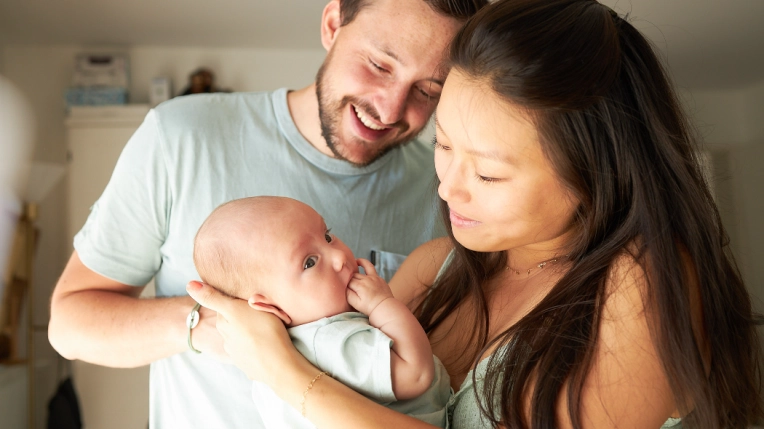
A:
[436,144]
[310,262]
[487,179]
[328,237]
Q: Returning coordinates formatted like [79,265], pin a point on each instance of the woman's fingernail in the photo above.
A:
[193,286]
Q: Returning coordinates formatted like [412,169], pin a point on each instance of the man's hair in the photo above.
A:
[458,9]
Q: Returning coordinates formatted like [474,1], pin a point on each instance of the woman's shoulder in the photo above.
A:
[418,271]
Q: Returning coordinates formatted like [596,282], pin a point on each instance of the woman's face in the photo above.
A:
[501,190]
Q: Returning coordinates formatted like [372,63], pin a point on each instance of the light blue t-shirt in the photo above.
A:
[357,354]
[196,152]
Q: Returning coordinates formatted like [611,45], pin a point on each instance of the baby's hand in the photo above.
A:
[366,291]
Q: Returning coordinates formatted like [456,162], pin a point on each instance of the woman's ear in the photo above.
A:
[331,22]
[261,303]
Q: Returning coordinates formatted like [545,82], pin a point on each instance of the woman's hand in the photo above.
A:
[206,338]
[256,341]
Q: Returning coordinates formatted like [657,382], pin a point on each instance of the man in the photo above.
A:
[337,145]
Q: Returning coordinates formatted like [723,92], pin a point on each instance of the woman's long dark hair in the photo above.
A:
[610,124]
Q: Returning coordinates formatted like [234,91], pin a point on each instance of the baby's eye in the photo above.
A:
[328,237]
[310,262]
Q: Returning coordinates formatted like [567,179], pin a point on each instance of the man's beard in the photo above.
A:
[330,112]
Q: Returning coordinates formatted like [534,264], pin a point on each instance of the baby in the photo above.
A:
[278,255]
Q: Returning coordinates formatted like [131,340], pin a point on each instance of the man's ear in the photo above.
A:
[261,303]
[331,22]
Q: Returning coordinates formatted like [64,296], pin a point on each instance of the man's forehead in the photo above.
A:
[408,30]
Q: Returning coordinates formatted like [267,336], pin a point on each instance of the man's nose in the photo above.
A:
[391,103]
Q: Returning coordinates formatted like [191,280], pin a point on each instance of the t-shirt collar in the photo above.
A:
[313,155]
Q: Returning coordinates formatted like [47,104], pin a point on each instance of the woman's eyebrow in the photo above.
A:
[493,155]
[437,123]
[490,154]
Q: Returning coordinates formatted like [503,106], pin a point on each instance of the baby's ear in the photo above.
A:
[262,303]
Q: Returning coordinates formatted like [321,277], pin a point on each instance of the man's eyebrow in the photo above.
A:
[389,52]
[436,81]
[488,154]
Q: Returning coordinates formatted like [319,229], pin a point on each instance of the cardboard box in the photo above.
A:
[110,70]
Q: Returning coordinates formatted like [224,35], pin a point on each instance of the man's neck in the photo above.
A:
[303,107]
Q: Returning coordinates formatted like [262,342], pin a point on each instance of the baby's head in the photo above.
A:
[277,254]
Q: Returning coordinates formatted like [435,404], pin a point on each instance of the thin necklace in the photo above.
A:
[540,265]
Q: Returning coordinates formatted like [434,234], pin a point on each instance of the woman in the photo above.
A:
[586,280]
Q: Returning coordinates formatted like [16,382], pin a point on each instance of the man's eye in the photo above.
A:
[427,94]
[328,237]
[377,66]
[310,262]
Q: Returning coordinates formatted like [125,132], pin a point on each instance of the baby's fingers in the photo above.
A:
[367,266]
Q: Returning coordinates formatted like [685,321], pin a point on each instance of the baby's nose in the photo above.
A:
[338,260]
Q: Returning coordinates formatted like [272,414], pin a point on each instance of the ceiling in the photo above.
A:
[707,43]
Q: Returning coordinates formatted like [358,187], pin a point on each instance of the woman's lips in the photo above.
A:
[460,221]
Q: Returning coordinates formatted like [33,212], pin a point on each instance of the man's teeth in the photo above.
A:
[366,120]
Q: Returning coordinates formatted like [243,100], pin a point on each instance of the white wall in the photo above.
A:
[732,125]
[43,73]
[718,115]
[753,106]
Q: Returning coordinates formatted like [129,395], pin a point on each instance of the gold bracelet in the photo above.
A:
[310,386]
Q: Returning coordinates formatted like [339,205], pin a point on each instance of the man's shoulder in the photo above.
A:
[416,157]
[214,108]
[419,147]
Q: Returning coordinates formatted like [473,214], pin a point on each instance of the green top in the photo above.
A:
[463,409]
[464,412]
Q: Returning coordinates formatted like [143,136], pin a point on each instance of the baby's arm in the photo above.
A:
[411,361]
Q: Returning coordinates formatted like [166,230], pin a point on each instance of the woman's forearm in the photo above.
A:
[330,404]
[259,345]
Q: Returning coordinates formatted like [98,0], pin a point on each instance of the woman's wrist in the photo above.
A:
[291,381]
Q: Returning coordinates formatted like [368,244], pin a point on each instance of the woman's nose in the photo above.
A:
[451,186]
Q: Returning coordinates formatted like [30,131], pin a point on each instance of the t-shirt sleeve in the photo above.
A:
[125,230]
[358,355]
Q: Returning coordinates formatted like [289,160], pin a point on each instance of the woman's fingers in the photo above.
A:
[208,296]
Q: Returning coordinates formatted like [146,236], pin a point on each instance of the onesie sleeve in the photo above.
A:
[358,355]
[126,228]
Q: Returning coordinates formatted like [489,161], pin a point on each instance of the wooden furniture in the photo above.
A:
[19,293]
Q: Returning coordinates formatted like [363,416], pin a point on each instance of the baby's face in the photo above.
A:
[309,268]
